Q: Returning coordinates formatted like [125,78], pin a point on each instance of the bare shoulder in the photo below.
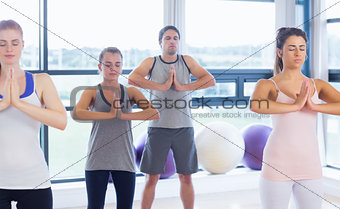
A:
[188,59]
[91,90]
[323,85]
[43,77]
[148,62]
[43,82]
[144,67]
[195,68]
[265,88]
[267,83]
[320,82]
[149,59]
[44,87]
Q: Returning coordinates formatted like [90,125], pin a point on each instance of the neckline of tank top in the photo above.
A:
[29,88]
[291,97]
[278,89]
[105,100]
[160,57]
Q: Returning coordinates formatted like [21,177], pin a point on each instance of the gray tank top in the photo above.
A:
[111,145]
[173,106]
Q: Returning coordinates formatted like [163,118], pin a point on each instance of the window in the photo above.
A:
[75,44]
[231,47]
[333,133]
[68,149]
[17,10]
[333,10]
[333,30]
[223,34]
[82,35]
[79,30]
[333,122]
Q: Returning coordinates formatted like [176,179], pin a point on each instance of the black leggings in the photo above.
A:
[26,199]
[96,185]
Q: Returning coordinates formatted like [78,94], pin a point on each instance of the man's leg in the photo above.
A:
[187,191]
[153,160]
[184,150]
[149,190]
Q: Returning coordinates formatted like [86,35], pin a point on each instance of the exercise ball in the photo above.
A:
[139,144]
[135,152]
[169,167]
[255,139]
[220,147]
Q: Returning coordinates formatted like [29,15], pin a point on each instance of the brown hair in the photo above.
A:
[10,24]
[112,50]
[166,28]
[282,35]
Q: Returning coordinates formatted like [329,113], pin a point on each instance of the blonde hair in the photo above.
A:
[10,24]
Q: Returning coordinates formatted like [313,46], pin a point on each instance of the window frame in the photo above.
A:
[333,76]
[237,76]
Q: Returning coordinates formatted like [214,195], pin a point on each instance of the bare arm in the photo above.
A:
[54,113]
[148,111]
[6,97]
[260,101]
[204,78]
[138,77]
[82,112]
[328,94]
[3,105]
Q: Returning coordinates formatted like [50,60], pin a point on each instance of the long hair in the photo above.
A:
[282,35]
[10,24]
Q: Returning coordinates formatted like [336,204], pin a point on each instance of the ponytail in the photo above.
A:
[278,66]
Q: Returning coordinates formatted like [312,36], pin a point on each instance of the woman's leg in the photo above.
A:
[275,194]
[124,183]
[33,199]
[96,185]
[5,199]
[309,195]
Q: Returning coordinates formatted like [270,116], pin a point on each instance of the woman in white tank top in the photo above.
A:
[26,100]
[291,162]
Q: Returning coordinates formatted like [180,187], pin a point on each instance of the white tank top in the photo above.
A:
[22,162]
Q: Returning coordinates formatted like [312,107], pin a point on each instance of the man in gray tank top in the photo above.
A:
[168,78]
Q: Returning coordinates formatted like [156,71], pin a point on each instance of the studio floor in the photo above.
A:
[248,199]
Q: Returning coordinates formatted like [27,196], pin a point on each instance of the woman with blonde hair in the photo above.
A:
[26,101]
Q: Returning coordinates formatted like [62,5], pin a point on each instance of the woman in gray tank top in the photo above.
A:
[110,149]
